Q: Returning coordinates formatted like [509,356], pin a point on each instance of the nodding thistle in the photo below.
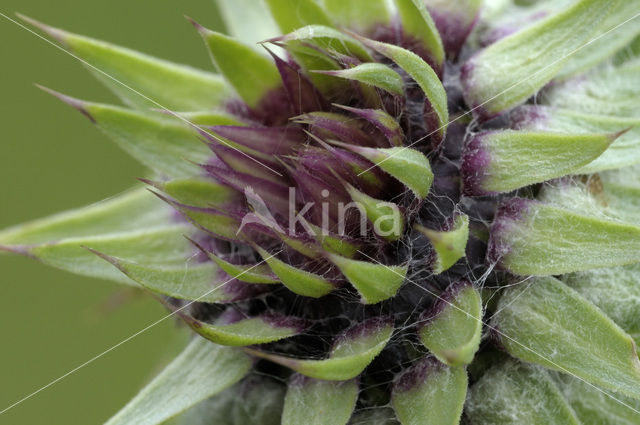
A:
[413,211]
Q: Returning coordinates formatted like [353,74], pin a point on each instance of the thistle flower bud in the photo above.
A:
[368,202]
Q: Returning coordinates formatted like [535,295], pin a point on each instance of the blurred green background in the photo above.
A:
[51,158]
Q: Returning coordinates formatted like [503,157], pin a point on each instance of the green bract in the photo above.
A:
[422,212]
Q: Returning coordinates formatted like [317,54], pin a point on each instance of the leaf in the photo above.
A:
[602,196]
[248,21]
[416,24]
[624,151]
[622,193]
[422,74]
[336,244]
[293,14]
[451,330]
[155,245]
[328,39]
[134,224]
[210,118]
[257,273]
[312,62]
[375,282]
[334,125]
[595,407]
[614,35]
[313,402]
[201,282]
[297,280]
[384,122]
[449,245]
[373,74]
[501,18]
[172,86]
[131,210]
[249,331]
[508,72]
[628,176]
[252,75]
[615,291]
[430,393]
[202,370]
[514,393]
[158,142]
[409,166]
[608,90]
[301,245]
[361,15]
[502,161]
[386,217]
[198,192]
[555,327]
[513,16]
[631,52]
[254,397]
[208,219]
[351,354]
[534,238]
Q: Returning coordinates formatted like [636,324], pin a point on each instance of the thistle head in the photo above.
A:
[390,206]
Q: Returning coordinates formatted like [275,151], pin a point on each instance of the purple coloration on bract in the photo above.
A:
[232,211]
[303,95]
[475,161]
[274,109]
[299,380]
[432,125]
[453,29]
[530,117]
[329,126]
[507,216]
[243,163]
[328,166]
[375,180]
[267,140]
[53,32]
[394,135]
[289,322]
[365,329]
[17,249]
[230,316]
[312,190]
[444,301]
[418,374]
[468,83]
[275,194]
[71,101]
